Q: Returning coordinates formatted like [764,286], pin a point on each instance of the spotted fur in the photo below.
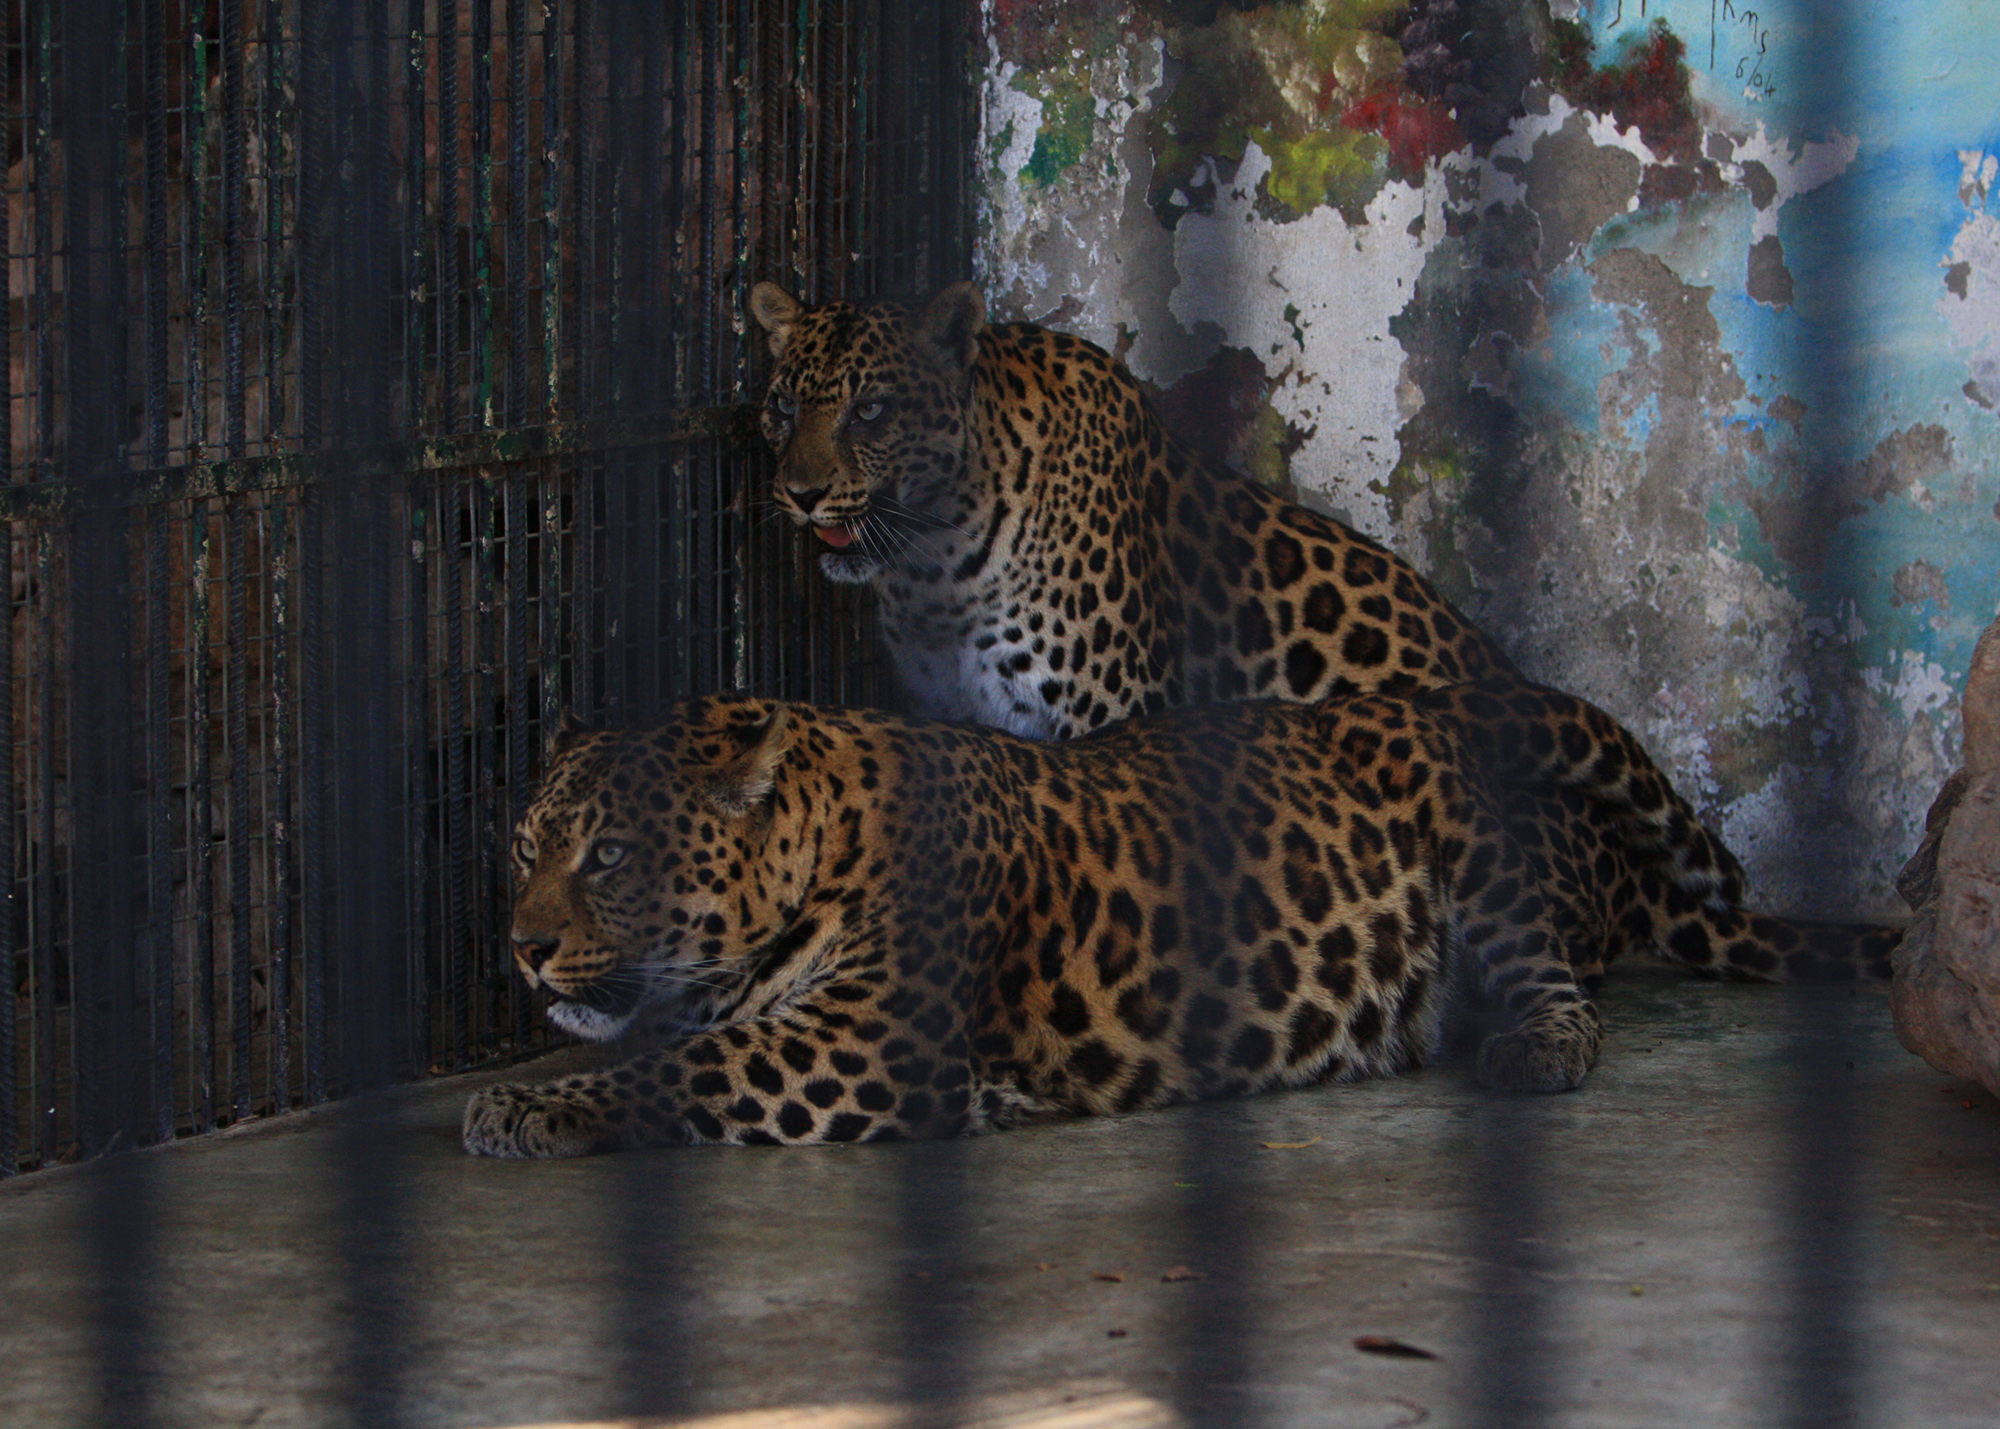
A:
[863,926]
[1049,559]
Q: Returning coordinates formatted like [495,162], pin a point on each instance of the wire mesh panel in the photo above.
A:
[376,394]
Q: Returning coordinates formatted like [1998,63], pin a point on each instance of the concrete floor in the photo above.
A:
[1759,1211]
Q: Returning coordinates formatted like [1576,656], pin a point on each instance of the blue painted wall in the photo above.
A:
[1673,353]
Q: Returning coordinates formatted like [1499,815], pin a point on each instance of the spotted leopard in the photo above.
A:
[864,926]
[1047,558]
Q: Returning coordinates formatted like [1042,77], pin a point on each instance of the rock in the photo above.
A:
[1917,882]
[1980,714]
[1946,992]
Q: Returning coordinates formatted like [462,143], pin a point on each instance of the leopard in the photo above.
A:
[1048,558]
[836,926]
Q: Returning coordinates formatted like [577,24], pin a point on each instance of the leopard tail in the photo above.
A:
[1532,736]
[1740,946]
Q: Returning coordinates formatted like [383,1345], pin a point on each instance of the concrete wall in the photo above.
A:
[1665,334]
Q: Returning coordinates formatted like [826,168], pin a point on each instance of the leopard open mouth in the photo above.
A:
[852,555]
[885,533]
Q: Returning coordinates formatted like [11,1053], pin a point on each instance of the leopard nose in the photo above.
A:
[808,499]
[531,953]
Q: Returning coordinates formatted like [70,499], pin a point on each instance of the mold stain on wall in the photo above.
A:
[1560,302]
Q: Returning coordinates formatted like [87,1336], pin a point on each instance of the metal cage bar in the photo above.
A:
[378,393]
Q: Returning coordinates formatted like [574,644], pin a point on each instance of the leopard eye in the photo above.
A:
[524,850]
[867,411]
[787,405]
[607,854]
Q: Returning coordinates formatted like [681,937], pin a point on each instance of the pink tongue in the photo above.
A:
[835,536]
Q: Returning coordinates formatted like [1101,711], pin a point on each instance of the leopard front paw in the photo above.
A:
[515,1120]
[1534,1061]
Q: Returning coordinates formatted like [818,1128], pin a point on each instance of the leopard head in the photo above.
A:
[868,411]
[639,869]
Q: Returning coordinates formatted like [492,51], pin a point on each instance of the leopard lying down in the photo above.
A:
[857,926]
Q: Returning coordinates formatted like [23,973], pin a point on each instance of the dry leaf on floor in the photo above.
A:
[1181,1272]
[1115,1276]
[1292,1145]
[1396,1349]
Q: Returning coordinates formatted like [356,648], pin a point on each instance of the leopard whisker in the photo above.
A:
[909,525]
[936,557]
[660,977]
[908,533]
[890,544]
[911,514]
[882,528]
[869,538]
[701,972]
[926,553]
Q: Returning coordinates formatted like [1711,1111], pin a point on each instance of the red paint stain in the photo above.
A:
[1417,130]
[1649,90]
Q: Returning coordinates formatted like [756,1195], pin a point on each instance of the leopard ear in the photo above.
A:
[568,734]
[741,783]
[776,311]
[951,325]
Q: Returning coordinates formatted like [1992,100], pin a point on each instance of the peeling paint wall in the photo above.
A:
[1665,334]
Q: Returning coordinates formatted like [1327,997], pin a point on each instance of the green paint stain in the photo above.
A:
[1752,547]
[1336,166]
[1060,144]
[1289,77]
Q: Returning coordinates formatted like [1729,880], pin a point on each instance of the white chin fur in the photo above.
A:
[843,569]
[588,1023]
